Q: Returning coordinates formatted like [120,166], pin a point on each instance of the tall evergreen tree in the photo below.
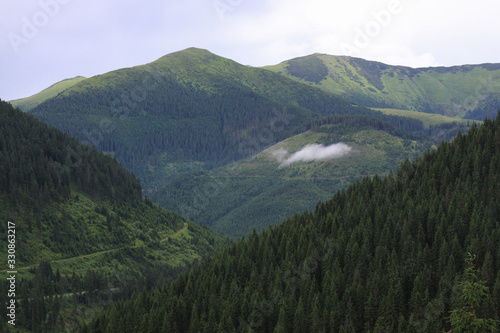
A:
[465,319]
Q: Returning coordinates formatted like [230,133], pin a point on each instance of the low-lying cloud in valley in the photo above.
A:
[311,152]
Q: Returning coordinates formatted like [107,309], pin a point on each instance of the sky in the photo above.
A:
[45,41]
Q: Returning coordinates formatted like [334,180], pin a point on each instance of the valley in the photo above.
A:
[384,255]
[259,191]
[311,181]
[193,113]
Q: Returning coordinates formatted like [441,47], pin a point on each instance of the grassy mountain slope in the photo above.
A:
[28,103]
[459,91]
[385,255]
[80,213]
[427,119]
[257,192]
[188,111]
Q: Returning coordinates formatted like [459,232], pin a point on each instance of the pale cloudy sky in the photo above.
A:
[45,41]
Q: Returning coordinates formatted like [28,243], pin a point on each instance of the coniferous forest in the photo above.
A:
[24,143]
[85,235]
[385,255]
[124,210]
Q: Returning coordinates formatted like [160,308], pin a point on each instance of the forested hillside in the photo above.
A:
[257,192]
[39,165]
[384,255]
[82,226]
[190,111]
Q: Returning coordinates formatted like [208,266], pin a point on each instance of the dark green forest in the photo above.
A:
[257,193]
[39,165]
[384,255]
[85,235]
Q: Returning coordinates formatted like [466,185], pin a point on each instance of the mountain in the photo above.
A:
[28,103]
[384,255]
[263,190]
[190,115]
[468,91]
[82,226]
[188,111]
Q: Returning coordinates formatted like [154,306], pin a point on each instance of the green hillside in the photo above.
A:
[174,120]
[427,119]
[469,91]
[28,103]
[258,191]
[188,111]
[385,255]
[81,225]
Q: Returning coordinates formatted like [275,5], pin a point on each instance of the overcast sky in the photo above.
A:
[45,41]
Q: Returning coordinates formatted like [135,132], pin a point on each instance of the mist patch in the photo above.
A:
[311,152]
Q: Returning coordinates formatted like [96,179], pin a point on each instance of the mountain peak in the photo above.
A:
[190,52]
[190,58]
[193,51]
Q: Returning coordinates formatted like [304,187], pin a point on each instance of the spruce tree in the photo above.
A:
[474,291]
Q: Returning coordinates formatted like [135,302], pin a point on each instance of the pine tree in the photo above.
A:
[465,319]
[281,326]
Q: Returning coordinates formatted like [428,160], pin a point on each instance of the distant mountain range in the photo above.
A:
[469,91]
[174,120]
[190,108]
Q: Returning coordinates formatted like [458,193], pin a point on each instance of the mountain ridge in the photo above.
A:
[204,54]
[460,91]
[30,102]
[361,81]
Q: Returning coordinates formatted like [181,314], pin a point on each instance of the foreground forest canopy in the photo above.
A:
[385,255]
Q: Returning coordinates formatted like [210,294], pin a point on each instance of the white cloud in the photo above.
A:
[311,152]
